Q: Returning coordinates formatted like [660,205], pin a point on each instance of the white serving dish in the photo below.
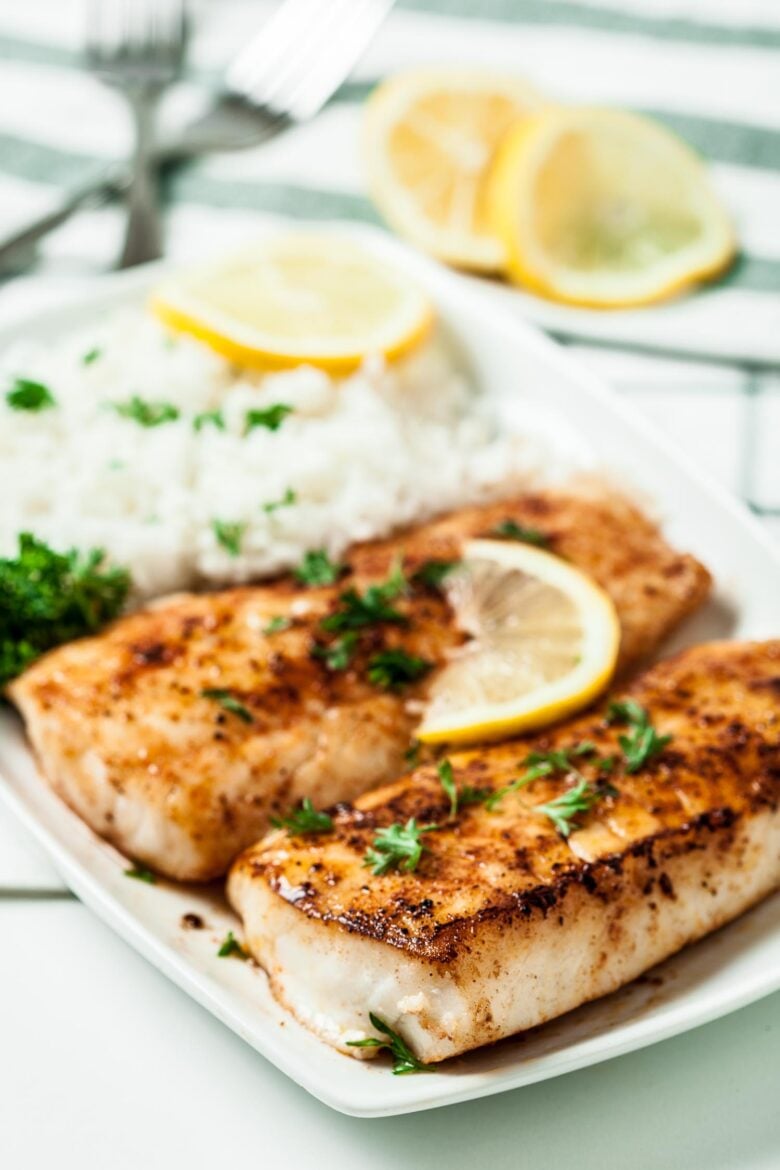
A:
[732,968]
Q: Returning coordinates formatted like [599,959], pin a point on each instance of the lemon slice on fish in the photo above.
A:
[543,643]
[309,298]
[605,209]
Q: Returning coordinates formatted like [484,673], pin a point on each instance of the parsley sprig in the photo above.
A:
[643,743]
[459,797]
[511,530]
[357,610]
[564,809]
[48,597]
[209,418]
[228,702]
[337,655]
[397,847]
[25,394]
[431,574]
[232,947]
[404,1060]
[317,568]
[230,535]
[145,413]
[392,670]
[289,497]
[277,624]
[271,418]
[304,820]
[539,764]
[141,874]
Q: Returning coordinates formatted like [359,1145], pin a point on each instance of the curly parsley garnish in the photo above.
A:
[337,655]
[271,418]
[209,418]
[91,356]
[317,568]
[228,702]
[431,574]
[511,530]
[643,743]
[229,534]
[303,820]
[232,947]
[47,598]
[392,670]
[289,497]
[404,1060]
[397,847]
[28,395]
[366,609]
[141,874]
[147,414]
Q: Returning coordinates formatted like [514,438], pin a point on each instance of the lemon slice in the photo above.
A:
[298,298]
[544,642]
[429,138]
[607,209]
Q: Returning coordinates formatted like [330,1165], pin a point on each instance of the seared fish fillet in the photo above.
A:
[505,924]
[124,734]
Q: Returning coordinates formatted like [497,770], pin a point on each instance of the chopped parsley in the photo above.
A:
[511,530]
[459,798]
[209,418]
[91,356]
[28,395]
[227,702]
[643,743]
[392,670]
[317,568]
[412,754]
[271,418]
[366,609]
[431,574]
[147,414]
[397,847]
[404,1060]
[303,820]
[47,598]
[232,947]
[229,534]
[277,624]
[141,874]
[289,497]
[564,809]
[337,655]
[540,764]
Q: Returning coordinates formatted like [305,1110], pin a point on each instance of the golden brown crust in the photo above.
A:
[125,735]
[720,703]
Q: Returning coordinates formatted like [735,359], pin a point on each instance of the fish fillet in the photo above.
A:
[124,734]
[505,923]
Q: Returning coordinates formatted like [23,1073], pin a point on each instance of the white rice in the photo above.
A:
[362,454]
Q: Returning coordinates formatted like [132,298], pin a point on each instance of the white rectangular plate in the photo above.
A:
[522,371]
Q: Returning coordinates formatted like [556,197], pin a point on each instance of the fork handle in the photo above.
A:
[143,232]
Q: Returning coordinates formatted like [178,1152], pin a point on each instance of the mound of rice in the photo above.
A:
[358,455]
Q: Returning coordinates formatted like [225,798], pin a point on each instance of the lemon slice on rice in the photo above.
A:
[605,209]
[429,137]
[544,642]
[313,298]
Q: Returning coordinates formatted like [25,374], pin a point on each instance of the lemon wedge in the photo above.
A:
[605,209]
[544,642]
[311,298]
[429,137]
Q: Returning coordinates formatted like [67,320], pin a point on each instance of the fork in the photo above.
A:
[284,75]
[137,47]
